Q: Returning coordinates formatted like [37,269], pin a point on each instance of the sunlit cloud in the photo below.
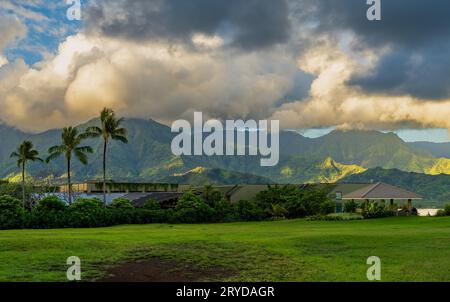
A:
[233,64]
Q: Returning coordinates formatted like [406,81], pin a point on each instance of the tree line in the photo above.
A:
[71,145]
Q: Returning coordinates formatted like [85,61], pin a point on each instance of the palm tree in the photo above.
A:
[110,129]
[25,153]
[71,141]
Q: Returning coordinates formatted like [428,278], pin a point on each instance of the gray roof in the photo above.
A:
[139,199]
[381,191]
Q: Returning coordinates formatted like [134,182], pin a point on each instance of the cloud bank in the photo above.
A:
[307,63]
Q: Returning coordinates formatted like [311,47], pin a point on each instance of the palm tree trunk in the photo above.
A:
[23,186]
[104,173]
[69,183]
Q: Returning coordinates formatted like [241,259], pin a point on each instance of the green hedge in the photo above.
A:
[12,214]
[445,211]
[335,217]
[274,203]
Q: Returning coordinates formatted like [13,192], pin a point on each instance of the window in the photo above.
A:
[338,195]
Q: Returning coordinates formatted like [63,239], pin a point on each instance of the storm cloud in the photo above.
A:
[308,63]
[248,25]
[417,33]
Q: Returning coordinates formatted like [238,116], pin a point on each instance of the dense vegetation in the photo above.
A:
[277,202]
[445,211]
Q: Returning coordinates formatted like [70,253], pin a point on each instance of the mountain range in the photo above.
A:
[148,156]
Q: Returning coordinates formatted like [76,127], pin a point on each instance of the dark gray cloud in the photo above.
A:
[417,31]
[404,22]
[301,85]
[249,24]
[423,73]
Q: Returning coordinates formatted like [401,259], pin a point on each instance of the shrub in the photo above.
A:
[445,211]
[278,211]
[307,202]
[335,217]
[225,211]
[350,206]
[87,212]
[211,195]
[121,203]
[374,210]
[51,203]
[48,213]
[249,211]
[193,209]
[13,190]
[440,213]
[85,204]
[327,207]
[12,214]
[189,200]
[152,205]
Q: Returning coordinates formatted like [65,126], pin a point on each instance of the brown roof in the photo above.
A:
[381,191]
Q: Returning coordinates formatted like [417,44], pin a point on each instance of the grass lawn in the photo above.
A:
[411,249]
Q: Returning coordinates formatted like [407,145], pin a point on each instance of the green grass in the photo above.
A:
[411,249]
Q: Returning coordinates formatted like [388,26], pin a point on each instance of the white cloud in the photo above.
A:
[334,103]
[3,61]
[208,42]
[144,80]
[11,29]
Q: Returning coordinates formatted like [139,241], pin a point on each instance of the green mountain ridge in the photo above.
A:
[215,176]
[148,156]
[432,149]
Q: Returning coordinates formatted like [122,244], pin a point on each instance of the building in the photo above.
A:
[94,186]
[138,193]
[382,192]
[338,192]
[168,194]
[167,200]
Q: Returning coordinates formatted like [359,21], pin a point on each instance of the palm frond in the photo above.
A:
[121,138]
[82,157]
[14,154]
[57,149]
[120,131]
[85,149]
[53,156]
[37,159]
[91,132]
[93,129]
[25,152]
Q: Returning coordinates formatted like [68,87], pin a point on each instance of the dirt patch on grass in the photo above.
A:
[157,270]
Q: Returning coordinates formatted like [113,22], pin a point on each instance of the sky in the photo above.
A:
[312,64]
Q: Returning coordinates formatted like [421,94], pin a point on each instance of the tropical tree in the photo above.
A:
[110,129]
[71,140]
[25,153]
[211,195]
